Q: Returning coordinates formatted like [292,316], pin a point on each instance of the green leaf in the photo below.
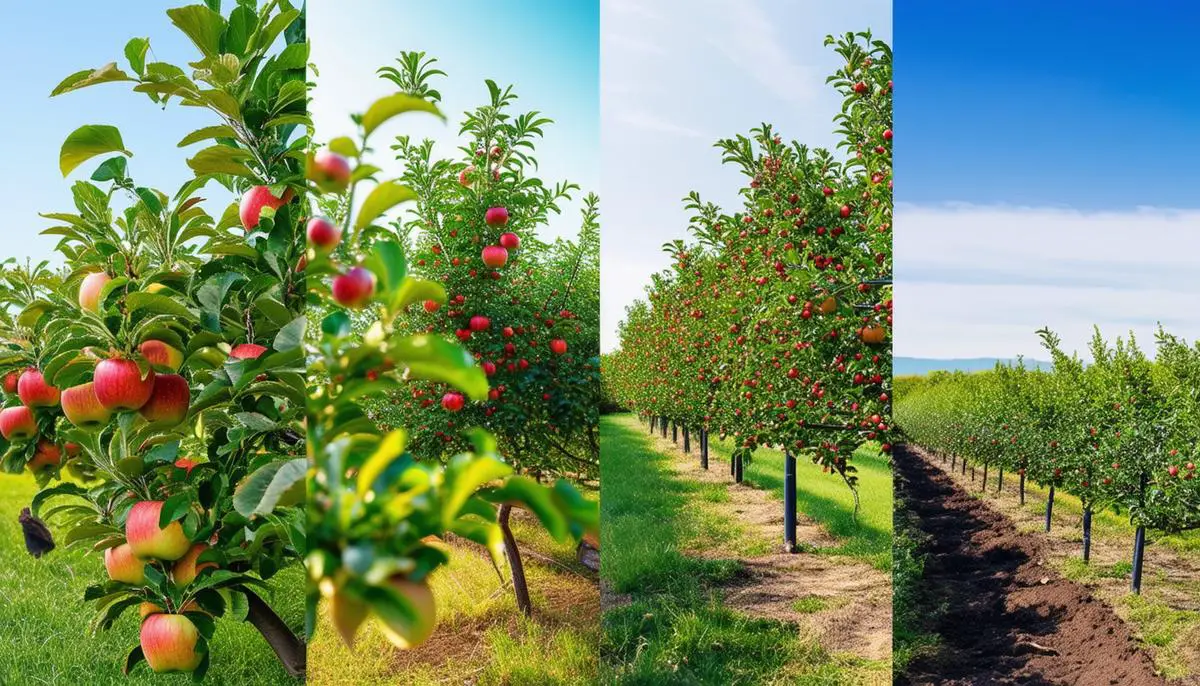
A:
[292,335]
[336,324]
[391,447]
[90,77]
[112,169]
[387,107]
[381,199]
[465,475]
[273,484]
[206,133]
[344,146]
[88,141]
[174,508]
[202,25]
[436,359]
[158,304]
[135,656]
[221,159]
[419,290]
[135,52]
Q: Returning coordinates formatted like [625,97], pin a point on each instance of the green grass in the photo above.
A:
[912,611]
[44,621]
[827,499]
[674,628]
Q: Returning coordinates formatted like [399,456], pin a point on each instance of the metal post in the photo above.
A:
[789,502]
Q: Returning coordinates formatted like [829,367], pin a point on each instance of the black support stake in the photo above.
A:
[789,503]
[737,474]
[1139,547]
[704,449]
[1022,487]
[1049,508]
[687,441]
[674,432]
[1087,534]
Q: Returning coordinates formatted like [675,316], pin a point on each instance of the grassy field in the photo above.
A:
[664,622]
[481,638]
[44,621]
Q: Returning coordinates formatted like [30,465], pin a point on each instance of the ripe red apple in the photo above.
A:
[169,643]
[72,449]
[161,355]
[1173,470]
[45,455]
[480,323]
[168,403]
[122,565]
[119,384]
[185,570]
[453,401]
[508,332]
[148,540]
[510,241]
[406,634]
[10,382]
[253,202]
[247,351]
[34,391]
[17,423]
[329,170]
[558,346]
[495,256]
[354,288]
[496,216]
[323,234]
[432,306]
[89,290]
[489,368]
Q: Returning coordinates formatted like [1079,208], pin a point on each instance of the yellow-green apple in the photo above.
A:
[120,385]
[161,355]
[510,241]
[400,631]
[247,351]
[323,234]
[46,454]
[83,408]
[34,391]
[90,288]
[123,565]
[253,202]
[354,288]
[17,423]
[169,643]
[495,256]
[168,403]
[148,539]
[329,170]
[496,216]
[186,570]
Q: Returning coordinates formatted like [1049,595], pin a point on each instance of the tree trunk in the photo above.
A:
[287,646]
[520,587]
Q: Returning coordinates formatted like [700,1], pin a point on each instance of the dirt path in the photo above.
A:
[1010,619]
[855,599]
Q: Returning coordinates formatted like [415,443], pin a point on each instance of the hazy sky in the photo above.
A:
[548,50]
[677,75]
[41,44]
[1044,162]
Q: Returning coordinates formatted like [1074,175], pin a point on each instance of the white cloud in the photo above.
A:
[750,40]
[648,122]
[977,281]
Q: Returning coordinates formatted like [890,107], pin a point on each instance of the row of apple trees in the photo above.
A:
[422,423]
[1118,432]
[154,382]
[773,324]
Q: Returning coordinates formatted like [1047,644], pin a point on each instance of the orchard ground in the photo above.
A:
[481,638]
[1165,617]
[45,619]
[685,551]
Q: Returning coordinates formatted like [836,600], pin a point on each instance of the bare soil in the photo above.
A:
[1009,617]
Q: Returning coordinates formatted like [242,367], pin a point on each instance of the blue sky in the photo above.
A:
[87,35]
[1043,173]
[677,75]
[548,50]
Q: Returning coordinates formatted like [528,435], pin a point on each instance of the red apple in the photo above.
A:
[123,565]
[496,216]
[323,234]
[187,464]
[508,332]
[480,323]
[45,455]
[464,176]
[489,368]
[89,290]
[495,256]
[168,403]
[17,423]
[432,306]
[34,391]
[72,449]
[148,540]
[354,288]
[10,382]
[329,170]
[247,351]
[510,241]
[119,384]
[161,355]
[253,202]
[558,346]
[185,570]
[169,643]
[453,402]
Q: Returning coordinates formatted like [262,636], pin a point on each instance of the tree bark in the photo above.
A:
[520,586]
[287,646]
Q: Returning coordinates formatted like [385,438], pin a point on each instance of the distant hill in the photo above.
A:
[919,366]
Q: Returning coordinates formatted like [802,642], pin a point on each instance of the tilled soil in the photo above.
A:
[1009,618]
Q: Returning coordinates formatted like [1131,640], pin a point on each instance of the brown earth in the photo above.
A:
[1009,617]
[855,599]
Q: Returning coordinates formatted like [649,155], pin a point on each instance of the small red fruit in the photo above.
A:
[510,241]
[453,402]
[354,288]
[323,234]
[496,216]
[495,256]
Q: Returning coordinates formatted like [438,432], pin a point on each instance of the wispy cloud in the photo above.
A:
[752,42]
[648,122]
